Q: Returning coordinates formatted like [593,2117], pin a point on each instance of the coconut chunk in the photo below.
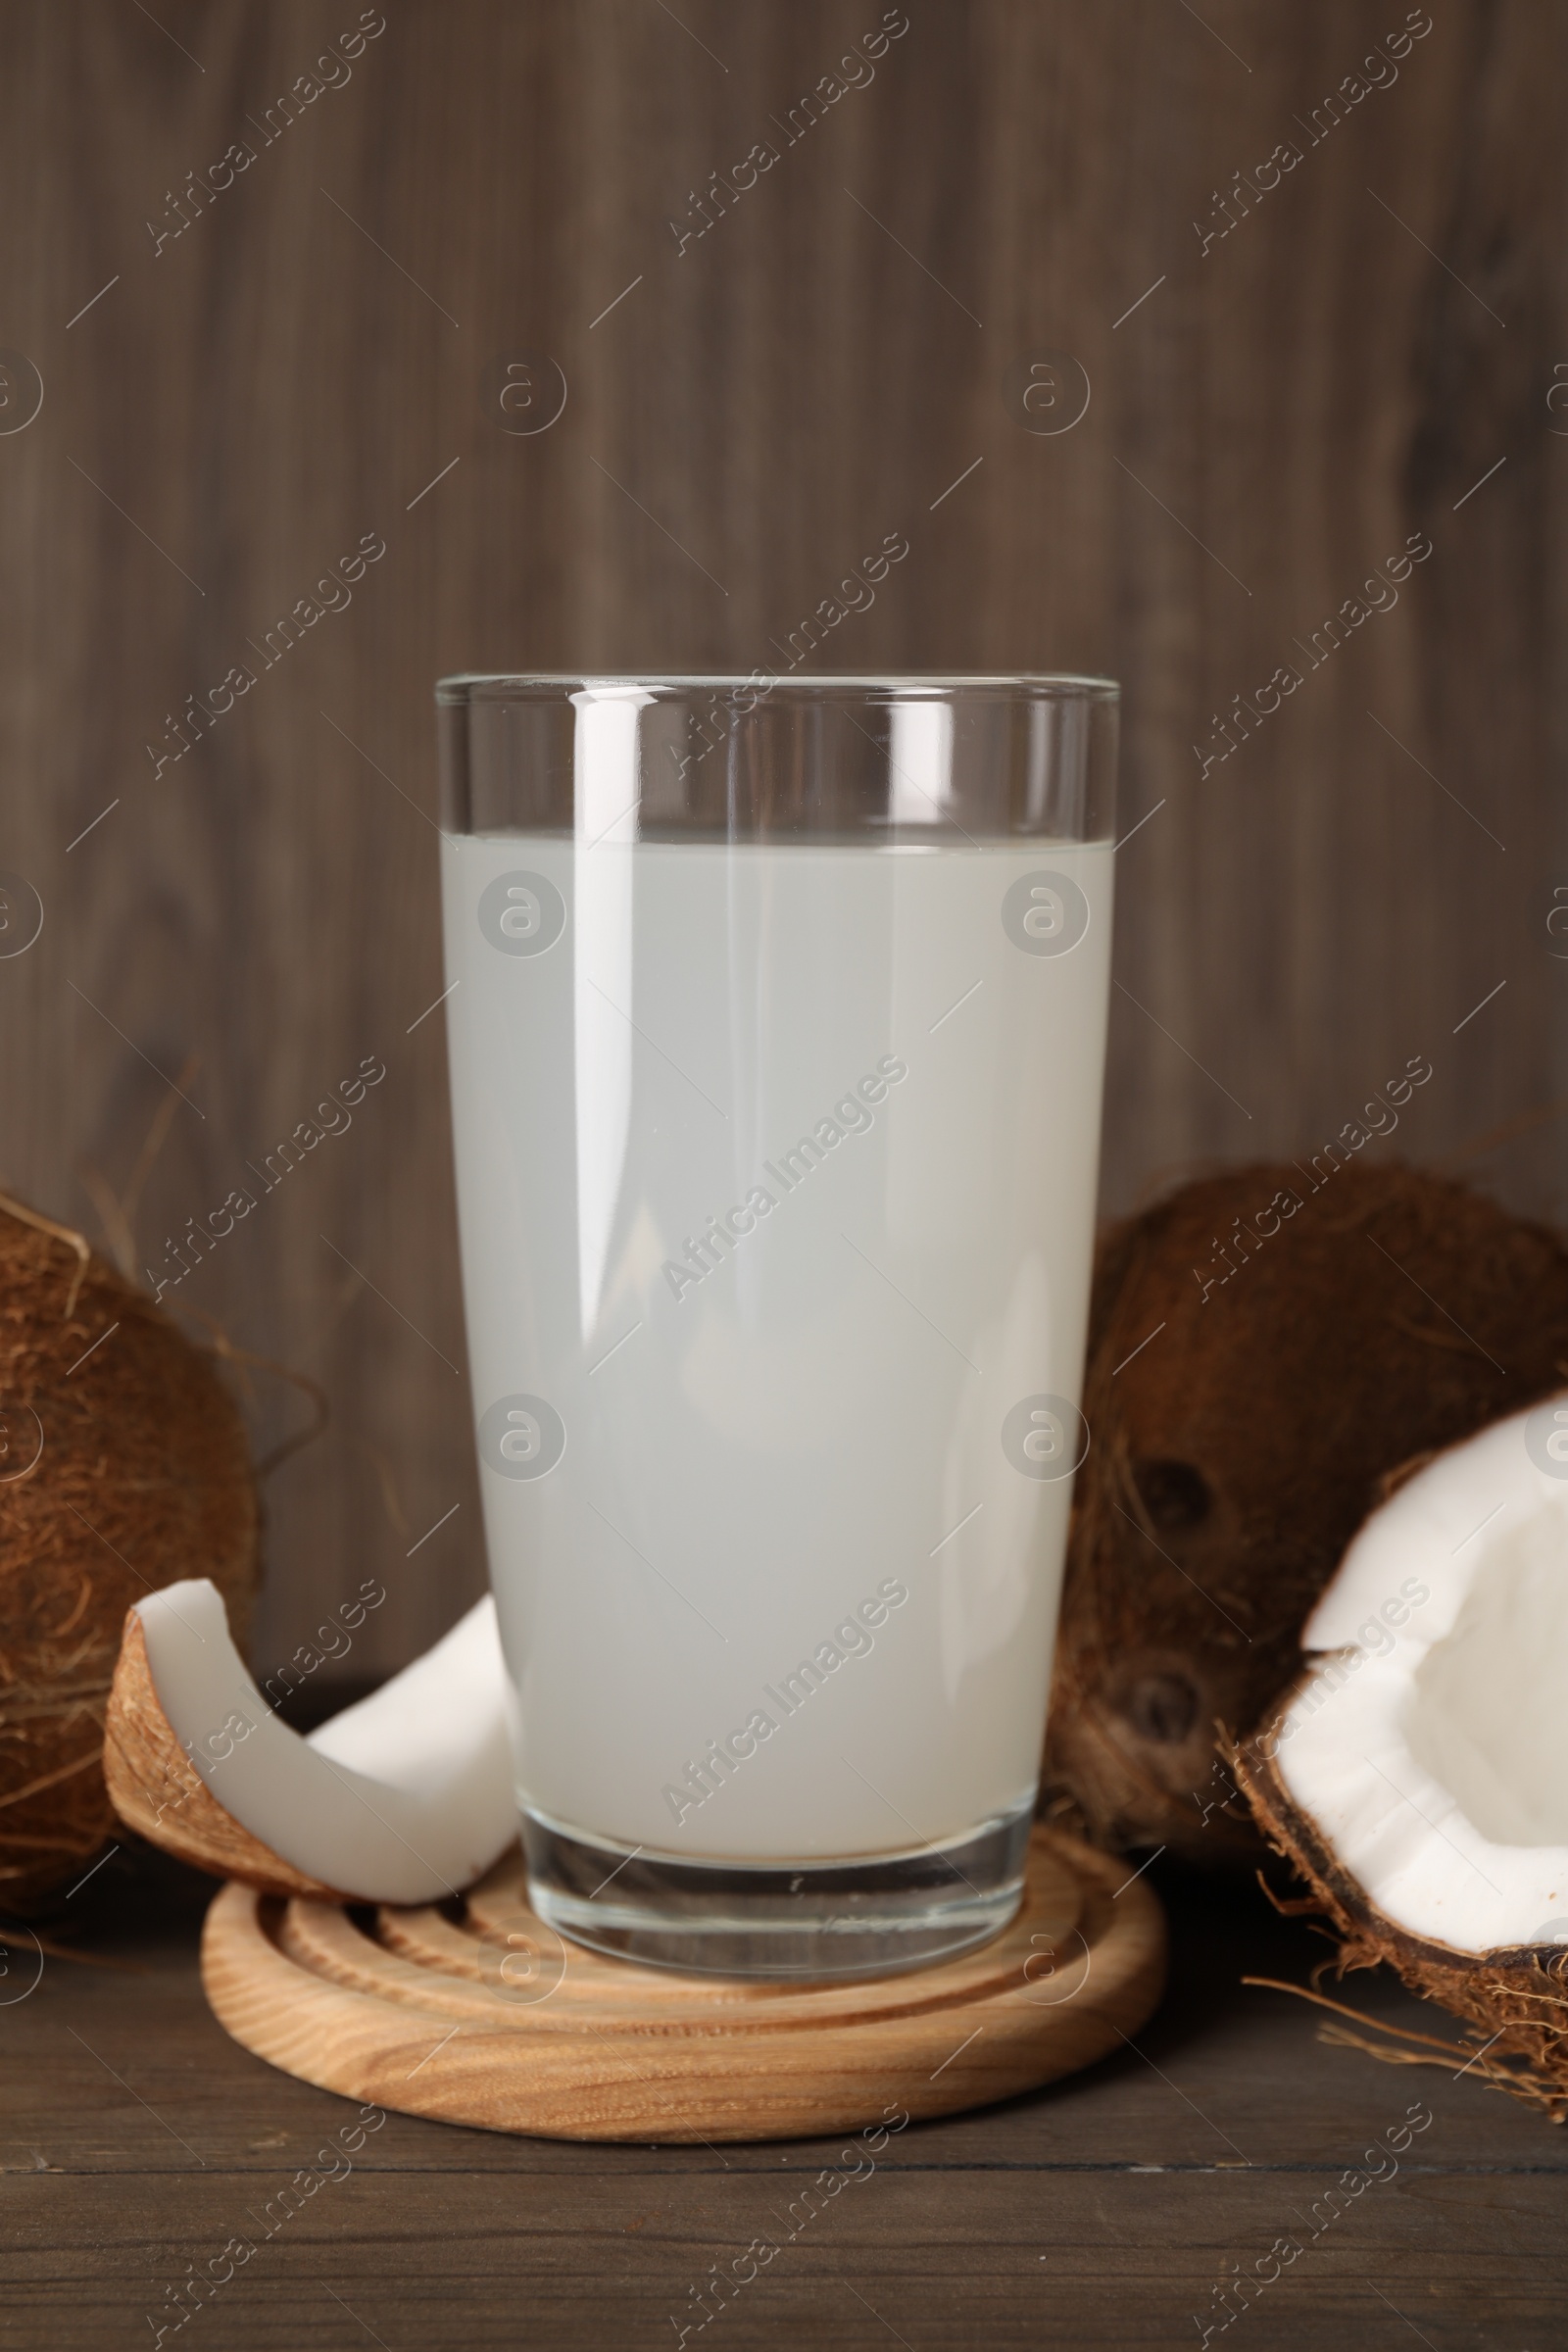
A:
[405,1797]
[1428,1744]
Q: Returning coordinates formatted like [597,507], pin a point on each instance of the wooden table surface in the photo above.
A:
[137,2142]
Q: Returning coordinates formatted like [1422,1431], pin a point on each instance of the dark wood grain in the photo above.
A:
[137,2140]
[1278,417]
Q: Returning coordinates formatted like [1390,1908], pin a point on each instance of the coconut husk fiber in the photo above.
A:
[1514,2000]
[1233,1456]
[124,1467]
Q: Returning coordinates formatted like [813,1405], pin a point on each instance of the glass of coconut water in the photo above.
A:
[777,1016]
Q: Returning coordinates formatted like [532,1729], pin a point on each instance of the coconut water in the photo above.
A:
[776,1171]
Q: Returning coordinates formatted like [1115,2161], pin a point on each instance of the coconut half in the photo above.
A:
[405,1797]
[1418,1774]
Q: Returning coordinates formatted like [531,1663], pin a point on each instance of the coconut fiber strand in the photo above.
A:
[123,1466]
[1308,1342]
[1515,2000]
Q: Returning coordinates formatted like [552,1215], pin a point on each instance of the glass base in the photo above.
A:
[810,1920]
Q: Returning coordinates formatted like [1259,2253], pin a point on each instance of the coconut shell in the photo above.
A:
[124,1467]
[1233,1454]
[1516,1998]
[156,1791]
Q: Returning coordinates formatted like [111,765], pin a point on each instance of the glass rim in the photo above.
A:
[461,686]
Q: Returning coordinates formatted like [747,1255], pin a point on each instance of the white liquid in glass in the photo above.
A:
[776,1173]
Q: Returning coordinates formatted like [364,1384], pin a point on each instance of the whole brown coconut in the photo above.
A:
[123,1466]
[1266,1349]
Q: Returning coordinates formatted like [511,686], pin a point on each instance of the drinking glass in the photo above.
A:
[776,1018]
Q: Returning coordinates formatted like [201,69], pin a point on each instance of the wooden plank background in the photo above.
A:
[264,372]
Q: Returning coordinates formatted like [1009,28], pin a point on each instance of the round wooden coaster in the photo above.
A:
[488,2018]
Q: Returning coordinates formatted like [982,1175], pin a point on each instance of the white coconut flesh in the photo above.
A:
[1429,1744]
[405,1797]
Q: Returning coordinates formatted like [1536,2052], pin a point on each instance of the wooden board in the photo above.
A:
[490,2019]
